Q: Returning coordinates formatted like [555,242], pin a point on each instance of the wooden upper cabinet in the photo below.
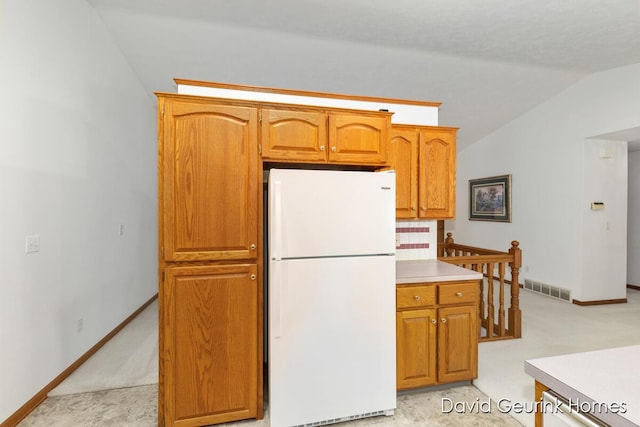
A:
[424,159]
[209,174]
[293,135]
[358,138]
[320,136]
[437,173]
[403,158]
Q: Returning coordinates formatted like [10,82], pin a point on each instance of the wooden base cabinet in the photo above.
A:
[209,344]
[436,333]
[416,340]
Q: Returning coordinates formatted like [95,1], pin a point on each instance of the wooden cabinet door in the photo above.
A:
[289,135]
[358,138]
[416,348]
[209,181]
[437,173]
[403,158]
[457,343]
[209,350]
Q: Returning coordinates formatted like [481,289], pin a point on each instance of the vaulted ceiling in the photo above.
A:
[488,61]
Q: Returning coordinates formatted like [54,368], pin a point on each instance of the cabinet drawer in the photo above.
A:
[457,293]
[415,296]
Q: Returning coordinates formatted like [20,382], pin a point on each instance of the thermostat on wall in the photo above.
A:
[597,206]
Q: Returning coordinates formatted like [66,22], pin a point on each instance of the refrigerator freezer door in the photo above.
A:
[330,213]
[332,340]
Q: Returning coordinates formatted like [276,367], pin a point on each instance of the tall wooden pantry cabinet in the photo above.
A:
[210,268]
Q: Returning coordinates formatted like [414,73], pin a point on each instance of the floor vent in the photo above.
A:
[549,290]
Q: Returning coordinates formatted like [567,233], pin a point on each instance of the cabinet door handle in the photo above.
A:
[334,149]
[422,208]
[253,246]
[322,148]
[253,277]
[413,208]
[434,321]
[444,320]
[459,294]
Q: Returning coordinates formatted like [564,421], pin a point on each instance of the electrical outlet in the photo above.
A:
[32,243]
[397,240]
[121,229]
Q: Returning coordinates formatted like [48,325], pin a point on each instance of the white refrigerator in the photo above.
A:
[331,296]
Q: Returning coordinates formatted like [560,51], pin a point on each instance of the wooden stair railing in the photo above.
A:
[493,265]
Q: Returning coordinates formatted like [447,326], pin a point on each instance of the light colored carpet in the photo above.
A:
[128,407]
[550,327]
[137,407]
[129,359]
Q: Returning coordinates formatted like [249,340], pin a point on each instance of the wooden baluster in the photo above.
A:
[479,268]
[515,315]
[448,242]
[506,321]
[501,324]
[490,305]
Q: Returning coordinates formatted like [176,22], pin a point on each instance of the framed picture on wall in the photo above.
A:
[490,199]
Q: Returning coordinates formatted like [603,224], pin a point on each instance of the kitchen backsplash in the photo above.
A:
[416,240]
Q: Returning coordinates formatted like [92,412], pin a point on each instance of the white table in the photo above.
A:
[594,380]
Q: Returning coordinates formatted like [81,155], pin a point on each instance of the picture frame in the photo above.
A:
[490,199]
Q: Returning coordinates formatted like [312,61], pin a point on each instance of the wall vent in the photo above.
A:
[548,290]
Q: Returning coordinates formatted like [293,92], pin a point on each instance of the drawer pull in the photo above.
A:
[417,297]
[444,320]
[459,294]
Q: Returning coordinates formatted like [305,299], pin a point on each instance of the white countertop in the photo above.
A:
[432,270]
[602,376]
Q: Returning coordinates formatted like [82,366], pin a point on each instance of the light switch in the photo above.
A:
[32,243]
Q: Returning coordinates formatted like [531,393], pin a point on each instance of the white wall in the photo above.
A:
[604,232]
[544,150]
[77,158]
[247,55]
[633,220]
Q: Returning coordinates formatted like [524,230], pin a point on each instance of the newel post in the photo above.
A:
[515,315]
[448,244]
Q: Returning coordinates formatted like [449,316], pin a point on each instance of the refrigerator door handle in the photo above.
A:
[275,291]
[277,211]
